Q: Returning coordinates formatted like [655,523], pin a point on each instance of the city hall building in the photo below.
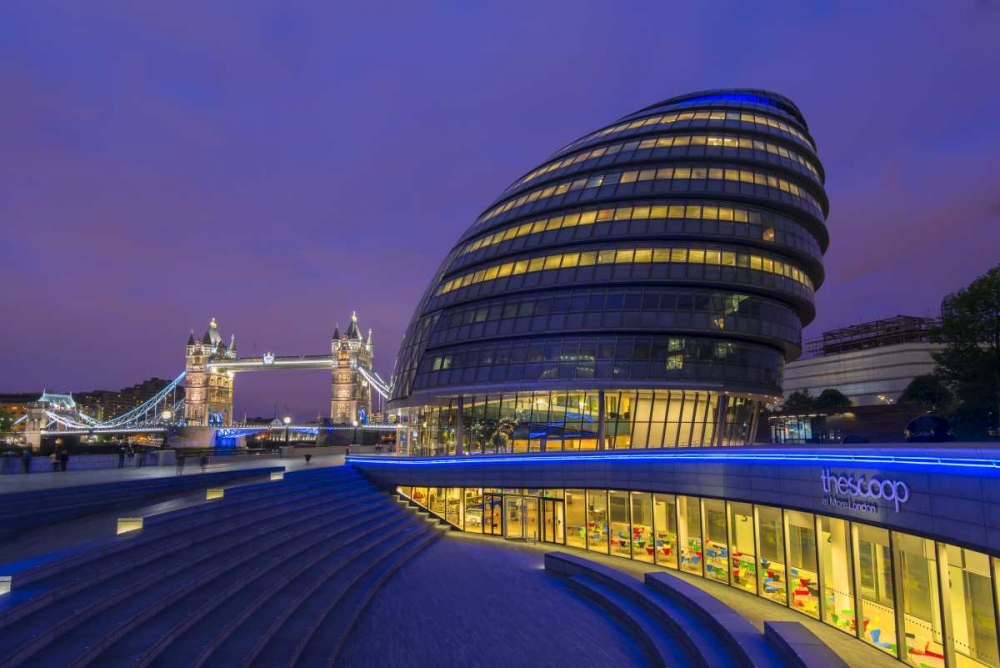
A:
[622,312]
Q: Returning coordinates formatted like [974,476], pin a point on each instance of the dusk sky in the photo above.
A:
[278,164]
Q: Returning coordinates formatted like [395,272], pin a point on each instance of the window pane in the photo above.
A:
[771,538]
[665,520]
[741,542]
[716,540]
[643,546]
[800,536]
[576,519]
[874,567]
[689,534]
[835,565]
[621,532]
[597,521]
[916,562]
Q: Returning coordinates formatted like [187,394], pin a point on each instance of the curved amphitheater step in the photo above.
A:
[680,625]
[270,573]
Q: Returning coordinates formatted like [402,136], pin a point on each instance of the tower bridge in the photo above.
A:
[211,367]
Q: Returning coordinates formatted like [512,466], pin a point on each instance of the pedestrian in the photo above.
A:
[64,458]
[121,456]
[26,460]
[54,458]
[308,457]
[180,463]
[204,462]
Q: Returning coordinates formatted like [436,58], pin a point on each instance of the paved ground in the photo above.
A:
[755,609]
[483,604]
[37,481]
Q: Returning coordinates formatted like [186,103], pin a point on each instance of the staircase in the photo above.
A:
[273,574]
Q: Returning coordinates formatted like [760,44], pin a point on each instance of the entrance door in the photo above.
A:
[530,518]
[513,517]
[492,514]
[553,529]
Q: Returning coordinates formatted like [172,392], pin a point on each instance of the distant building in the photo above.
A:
[871,363]
[350,393]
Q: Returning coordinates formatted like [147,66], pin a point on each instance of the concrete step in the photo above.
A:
[88,598]
[332,632]
[259,628]
[224,598]
[661,649]
[146,592]
[34,574]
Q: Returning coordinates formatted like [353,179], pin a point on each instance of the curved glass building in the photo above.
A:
[641,288]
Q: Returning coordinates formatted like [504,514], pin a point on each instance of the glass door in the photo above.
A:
[513,517]
[552,521]
[492,514]
[531,518]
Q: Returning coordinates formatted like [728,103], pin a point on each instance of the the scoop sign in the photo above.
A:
[864,488]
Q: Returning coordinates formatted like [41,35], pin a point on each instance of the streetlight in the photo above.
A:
[287,420]
[354,439]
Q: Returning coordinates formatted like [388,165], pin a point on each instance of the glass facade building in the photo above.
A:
[927,602]
[642,288]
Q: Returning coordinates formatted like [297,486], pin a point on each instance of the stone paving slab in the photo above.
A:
[483,604]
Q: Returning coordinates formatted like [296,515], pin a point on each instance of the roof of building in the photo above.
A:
[353,333]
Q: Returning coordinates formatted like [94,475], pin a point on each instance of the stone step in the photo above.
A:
[205,629]
[332,632]
[35,630]
[100,617]
[285,645]
[257,631]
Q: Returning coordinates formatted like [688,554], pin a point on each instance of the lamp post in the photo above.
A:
[354,439]
[287,420]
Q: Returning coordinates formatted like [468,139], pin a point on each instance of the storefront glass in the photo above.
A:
[772,576]
[855,577]
[665,521]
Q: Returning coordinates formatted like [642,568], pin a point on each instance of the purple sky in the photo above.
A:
[278,164]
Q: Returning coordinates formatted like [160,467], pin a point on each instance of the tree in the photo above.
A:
[969,364]
[927,390]
[799,401]
[830,399]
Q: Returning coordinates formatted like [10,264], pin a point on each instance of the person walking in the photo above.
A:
[54,459]
[64,458]
[121,456]
[26,460]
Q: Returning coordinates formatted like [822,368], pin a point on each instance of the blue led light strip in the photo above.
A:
[801,458]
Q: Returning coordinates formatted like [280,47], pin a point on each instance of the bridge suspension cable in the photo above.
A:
[376,382]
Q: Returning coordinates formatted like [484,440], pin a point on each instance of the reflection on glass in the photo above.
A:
[969,597]
[874,566]
[917,564]
[837,572]
[597,521]
[803,580]
[473,509]
[689,534]
[621,531]
[743,559]
[576,519]
[716,540]
[643,547]
[665,523]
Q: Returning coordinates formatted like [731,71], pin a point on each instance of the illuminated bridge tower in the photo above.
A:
[208,399]
[350,394]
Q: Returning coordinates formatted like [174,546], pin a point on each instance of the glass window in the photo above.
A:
[493,514]
[643,546]
[689,534]
[597,521]
[436,501]
[716,540]
[665,523]
[420,496]
[453,506]
[875,586]
[836,574]
[803,579]
[473,509]
[576,519]
[916,564]
[969,604]
[743,559]
[620,530]
[773,576]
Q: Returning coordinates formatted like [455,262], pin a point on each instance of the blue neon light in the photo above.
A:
[800,458]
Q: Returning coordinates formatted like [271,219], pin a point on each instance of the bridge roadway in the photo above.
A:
[261,362]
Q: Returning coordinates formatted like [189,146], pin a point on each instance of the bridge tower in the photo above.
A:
[350,393]
[208,393]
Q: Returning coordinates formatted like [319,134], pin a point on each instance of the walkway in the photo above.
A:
[477,603]
[755,609]
[41,481]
